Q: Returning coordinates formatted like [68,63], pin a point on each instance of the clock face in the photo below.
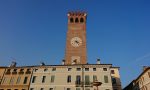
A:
[76,41]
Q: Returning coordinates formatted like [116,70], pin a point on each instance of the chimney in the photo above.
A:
[42,63]
[98,61]
[63,62]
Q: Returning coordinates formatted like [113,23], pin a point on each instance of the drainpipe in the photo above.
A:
[82,77]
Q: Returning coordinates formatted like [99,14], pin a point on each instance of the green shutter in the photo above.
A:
[87,79]
[94,78]
[52,78]
[106,79]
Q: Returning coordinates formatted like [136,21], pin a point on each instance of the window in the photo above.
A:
[78,79]
[18,80]
[8,71]
[35,70]
[11,80]
[42,89]
[69,69]
[52,78]
[94,78]
[28,71]
[34,78]
[14,71]
[106,79]
[43,79]
[53,69]
[104,69]
[69,79]
[31,88]
[94,69]
[51,89]
[87,80]
[21,71]
[112,72]
[71,20]
[76,20]
[4,80]
[81,20]
[25,80]
[86,69]
[114,81]
[68,89]
[45,69]
[78,69]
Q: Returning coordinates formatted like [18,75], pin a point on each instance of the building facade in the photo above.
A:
[16,78]
[72,77]
[142,82]
[73,74]
[2,70]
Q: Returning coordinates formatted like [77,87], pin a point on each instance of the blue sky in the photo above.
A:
[118,32]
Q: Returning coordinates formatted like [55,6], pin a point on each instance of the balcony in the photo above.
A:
[28,71]
[78,83]
[8,72]
[81,84]
[14,72]
[21,72]
[88,84]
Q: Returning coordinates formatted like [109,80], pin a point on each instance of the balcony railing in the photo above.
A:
[21,72]
[28,72]
[78,83]
[88,84]
[81,84]
[7,73]
[14,72]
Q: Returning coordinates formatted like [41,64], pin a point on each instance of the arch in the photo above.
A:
[81,20]
[71,20]
[76,20]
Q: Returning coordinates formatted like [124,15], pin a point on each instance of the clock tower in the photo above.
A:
[76,39]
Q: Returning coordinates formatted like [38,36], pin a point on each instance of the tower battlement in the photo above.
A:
[77,17]
[77,13]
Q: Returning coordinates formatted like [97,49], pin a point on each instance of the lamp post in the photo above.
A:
[96,83]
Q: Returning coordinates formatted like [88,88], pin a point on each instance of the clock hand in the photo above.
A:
[76,41]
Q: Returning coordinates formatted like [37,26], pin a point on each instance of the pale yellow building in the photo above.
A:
[16,78]
[73,77]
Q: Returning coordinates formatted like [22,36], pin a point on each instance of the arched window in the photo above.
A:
[76,20]
[71,20]
[81,20]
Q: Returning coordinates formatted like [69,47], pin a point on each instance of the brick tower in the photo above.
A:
[76,39]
